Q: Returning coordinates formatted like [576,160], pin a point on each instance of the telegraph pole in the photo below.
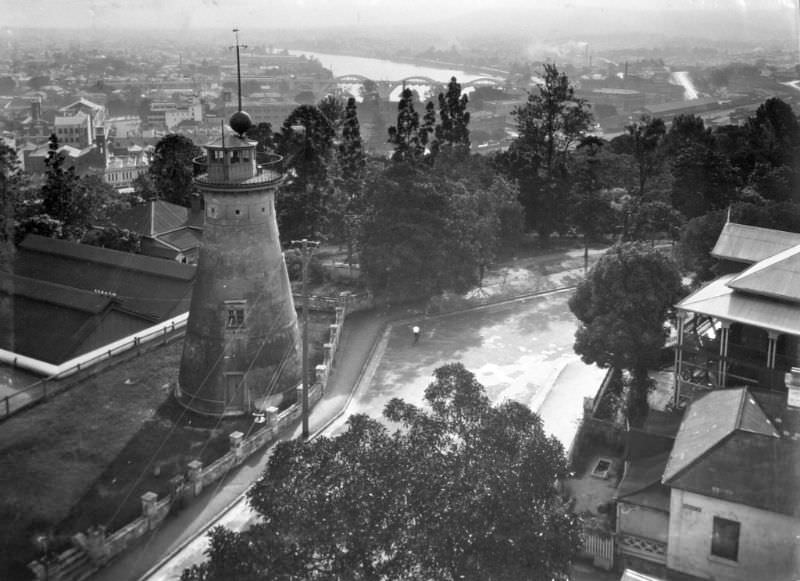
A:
[306,248]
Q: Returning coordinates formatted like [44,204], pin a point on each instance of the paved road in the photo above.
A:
[521,351]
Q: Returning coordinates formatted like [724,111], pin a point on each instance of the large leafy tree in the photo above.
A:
[430,230]
[643,142]
[409,234]
[549,124]
[306,143]
[67,204]
[622,306]
[463,491]
[261,133]
[171,168]
[703,180]
[60,187]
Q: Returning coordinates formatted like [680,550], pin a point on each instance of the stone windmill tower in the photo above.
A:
[242,349]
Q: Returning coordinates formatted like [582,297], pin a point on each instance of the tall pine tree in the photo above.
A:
[58,191]
[351,150]
[452,132]
[404,136]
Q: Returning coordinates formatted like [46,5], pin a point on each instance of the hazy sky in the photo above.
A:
[182,14]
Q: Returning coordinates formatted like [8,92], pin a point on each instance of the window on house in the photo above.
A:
[725,539]
[235,315]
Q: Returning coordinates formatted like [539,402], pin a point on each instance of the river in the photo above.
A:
[385,70]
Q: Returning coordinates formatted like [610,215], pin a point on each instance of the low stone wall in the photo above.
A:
[100,547]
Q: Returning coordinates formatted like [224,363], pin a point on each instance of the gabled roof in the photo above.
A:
[777,276]
[77,119]
[712,418]
[185,239]
[82,103]
[750,244]
[728,448]
[152,218]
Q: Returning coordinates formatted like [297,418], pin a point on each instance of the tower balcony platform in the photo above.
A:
[268,170]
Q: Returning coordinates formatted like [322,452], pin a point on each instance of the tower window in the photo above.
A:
[237,211]
[235,312]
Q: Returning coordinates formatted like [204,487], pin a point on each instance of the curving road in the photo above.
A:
[519,350]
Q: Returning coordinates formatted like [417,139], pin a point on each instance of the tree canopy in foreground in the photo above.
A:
[462,490]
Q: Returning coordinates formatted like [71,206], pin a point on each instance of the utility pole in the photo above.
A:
[306,248]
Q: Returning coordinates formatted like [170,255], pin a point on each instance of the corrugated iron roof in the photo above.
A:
[748,468]
[718,300]
[110,258]
[777,276]
[729,448]
[184,239]
[152,218]
[750,244]
[709,423]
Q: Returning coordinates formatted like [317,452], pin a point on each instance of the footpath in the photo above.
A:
[358,354]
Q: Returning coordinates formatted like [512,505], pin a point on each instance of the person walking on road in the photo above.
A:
[415,330]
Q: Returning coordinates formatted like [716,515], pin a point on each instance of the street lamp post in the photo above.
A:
[306,248]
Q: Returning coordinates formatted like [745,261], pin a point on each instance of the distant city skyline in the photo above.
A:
[191,14]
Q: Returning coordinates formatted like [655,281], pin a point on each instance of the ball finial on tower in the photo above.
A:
[240,122]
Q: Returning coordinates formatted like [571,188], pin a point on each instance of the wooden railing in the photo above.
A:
[642,547]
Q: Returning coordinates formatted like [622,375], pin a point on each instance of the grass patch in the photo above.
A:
[160,450]
[86,456]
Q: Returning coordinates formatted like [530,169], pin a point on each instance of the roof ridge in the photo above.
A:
[666,479]
[740,412]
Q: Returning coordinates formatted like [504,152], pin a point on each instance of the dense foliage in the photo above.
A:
[172,170]
[463,490]
[551,121]
[306,143]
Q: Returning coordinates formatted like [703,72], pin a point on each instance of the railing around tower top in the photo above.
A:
[267,164]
